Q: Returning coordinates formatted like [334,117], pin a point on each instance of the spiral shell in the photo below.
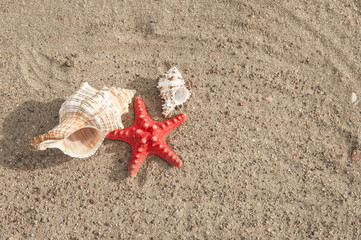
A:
[172,90]
[85,118]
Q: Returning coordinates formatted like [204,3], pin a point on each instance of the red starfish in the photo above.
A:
[146,137]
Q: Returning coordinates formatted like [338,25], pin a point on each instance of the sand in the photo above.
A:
[267,145]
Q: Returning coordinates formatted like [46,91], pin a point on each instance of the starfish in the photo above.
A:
[146,137]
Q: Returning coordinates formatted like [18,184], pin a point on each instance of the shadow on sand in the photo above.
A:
[30,119]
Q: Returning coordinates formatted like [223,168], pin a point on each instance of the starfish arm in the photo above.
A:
[142,116]
[172,123]
[139,106]
[166,153]
[138,156]
[121,134]
[113,135]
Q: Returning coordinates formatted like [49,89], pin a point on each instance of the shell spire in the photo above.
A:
[85,118]
[172,90]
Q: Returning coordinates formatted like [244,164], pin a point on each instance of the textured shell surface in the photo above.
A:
[84,120]
[172,90]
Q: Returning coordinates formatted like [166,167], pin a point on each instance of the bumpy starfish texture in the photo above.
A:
[146,137]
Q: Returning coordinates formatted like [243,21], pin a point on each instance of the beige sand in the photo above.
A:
[267,145]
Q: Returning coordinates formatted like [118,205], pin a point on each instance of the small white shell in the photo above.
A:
[85,118]
[353,97]
[172,90]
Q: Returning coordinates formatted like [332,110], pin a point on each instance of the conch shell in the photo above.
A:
[172,90]
[85,118]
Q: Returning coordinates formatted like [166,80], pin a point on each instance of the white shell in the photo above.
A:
[353,97]
[85,118]
[172,90]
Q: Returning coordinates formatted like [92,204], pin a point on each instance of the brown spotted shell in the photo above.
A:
[85,118]
[172,90]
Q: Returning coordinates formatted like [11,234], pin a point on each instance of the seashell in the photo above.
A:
[85,118]
[172,90]
[353,97]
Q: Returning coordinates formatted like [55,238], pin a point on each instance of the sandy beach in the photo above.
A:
[270,130]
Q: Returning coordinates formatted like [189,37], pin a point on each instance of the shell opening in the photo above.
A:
[82,142]
[181,95]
